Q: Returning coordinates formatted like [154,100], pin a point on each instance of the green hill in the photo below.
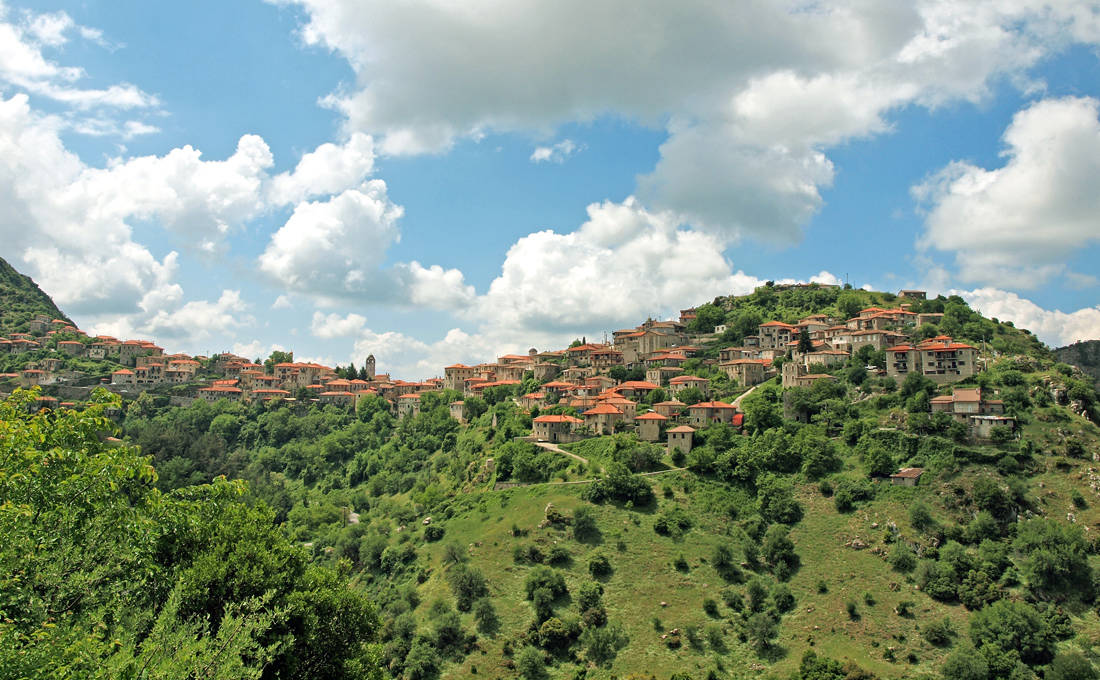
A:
[21,300]
[1084,355]
[778,552]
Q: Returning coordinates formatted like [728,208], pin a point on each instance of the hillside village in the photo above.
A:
[658,379]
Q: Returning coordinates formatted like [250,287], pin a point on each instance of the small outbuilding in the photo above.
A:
[906,476]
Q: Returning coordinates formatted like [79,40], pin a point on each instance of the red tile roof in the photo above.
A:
[651,416]
[602,410]
[557,419]
[713,404]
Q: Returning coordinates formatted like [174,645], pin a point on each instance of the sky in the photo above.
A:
[434,182]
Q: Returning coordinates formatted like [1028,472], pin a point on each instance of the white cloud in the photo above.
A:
[1054,327]
[1017,224]
[282,302]
[24,65]
[328,169]
[335,326]
[200,320]
[334,247]
[256,349]
[753,94]
[555,153]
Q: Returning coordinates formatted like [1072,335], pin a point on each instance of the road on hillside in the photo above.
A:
[737,401]
[557,449]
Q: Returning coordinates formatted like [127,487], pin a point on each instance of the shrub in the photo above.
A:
[710,607]
[588,595]
[681,563]
[599,564]
[486,616]
[853,609]
[904,608]
[601,645]
[531,664]
[467,584]
[902,558]
[939,633]
[826,488]
[869,599]
[757,594]
[559,555]
[822,587]
[584,524]
[783,598]
[545,577]
[433,532]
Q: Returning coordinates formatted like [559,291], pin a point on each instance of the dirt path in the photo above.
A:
[557,449]
[510,485]
[737,401]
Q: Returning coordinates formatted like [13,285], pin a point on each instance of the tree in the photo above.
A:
[760,629]
[965,665]
[1070,665]
[121,572]
[691,396]
[1010,625]
[468,584]
[602,644]
[1056,556]
[584,524]
[805,344]
[277,357]
[485,614]
[530,664]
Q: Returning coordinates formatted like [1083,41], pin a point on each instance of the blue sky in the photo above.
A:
[432,182]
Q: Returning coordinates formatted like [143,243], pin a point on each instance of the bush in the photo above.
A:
[531,664]
[904,608]
[920,516]
[467,584]
[826,488]
[783,598]
[545,577]
[559,555]
[1069,665]
[869,599]
[849,492]
[588,595]
[902,558]
[710,607]
[599,564]
[1010,625]
[853,609]
[433,532]
[939,633]
[601,645]
[965,665]
[584,524]
[485,614]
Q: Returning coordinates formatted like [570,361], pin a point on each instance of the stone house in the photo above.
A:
[649,426]
[407,405]
[747,372]
[217,392]
[555,428]
[680,439]
[671,408]
[940,359]
[776,334]
[71,347]
[660,375]
[906,477]
[602,418]
[707,412]
[684,382]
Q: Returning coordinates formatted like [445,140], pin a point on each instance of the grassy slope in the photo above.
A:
[644,574]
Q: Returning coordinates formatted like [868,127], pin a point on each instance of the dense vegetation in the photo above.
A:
[1084,355]
[103,575]
[20,300]
[779,551]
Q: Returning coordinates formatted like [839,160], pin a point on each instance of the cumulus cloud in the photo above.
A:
[1054,327]
[621,265]
[1018,223]
[753,94]
[328,169]
[555,153]
[334,326]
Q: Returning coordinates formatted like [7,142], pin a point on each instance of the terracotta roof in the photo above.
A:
[221,388]
[908,473]
[651,416]
[636,385]
[776,323]
[712,404]
[557,419]
[123,371]
[671,402]
[683,429]
[603,409]
[687,378]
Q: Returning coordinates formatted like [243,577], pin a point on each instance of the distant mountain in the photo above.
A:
[1084,355]
[21,299]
